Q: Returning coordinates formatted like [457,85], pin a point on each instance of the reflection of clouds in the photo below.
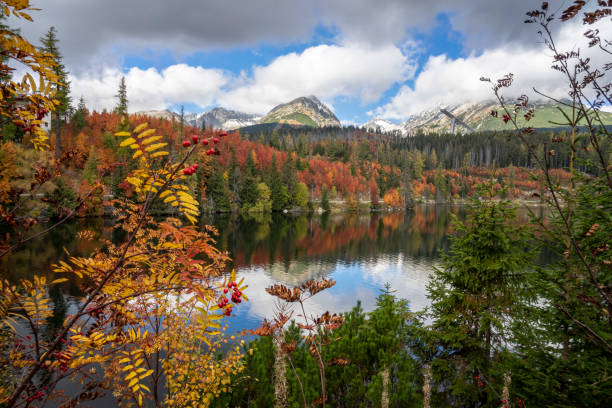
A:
[296,272]
[361,280]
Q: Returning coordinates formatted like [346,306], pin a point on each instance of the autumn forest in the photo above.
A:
[148,261]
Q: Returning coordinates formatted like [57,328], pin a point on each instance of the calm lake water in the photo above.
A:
[361,252]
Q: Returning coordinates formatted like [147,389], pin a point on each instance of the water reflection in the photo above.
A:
[361,252]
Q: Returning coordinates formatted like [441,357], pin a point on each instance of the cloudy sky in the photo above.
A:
[389,58]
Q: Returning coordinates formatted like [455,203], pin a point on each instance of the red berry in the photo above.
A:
[205,142]
[216,140]
[195,166]
[225,290]
[222,134]
[186,171]
[186,143]
[194,138]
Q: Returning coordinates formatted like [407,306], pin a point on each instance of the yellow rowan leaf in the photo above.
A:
[130,375]
[151,139]
[123,134]
[145,133]
[155,146]
[31,81]
[60,280]
[158,154]
[132,382]
[127,142]
[140,127]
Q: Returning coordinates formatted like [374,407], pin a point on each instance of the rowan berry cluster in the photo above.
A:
[194,140]
[236,297]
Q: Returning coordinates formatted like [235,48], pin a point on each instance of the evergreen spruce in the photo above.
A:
[218,191]
[63,110]
[475,293]
[79,118]
[121,108]
[248,186]
[290,179]
[324,201]
[278,191]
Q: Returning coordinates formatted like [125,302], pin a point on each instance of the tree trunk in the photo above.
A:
[280,373]
[505,397]
[384,396]
[427,386]
[58,138]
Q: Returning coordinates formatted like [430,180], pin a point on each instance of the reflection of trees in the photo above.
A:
[346,237]
[36,257]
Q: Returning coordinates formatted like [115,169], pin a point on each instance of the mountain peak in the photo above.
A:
[304,110]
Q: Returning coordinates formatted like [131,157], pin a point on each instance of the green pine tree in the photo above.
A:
[121,108]
[278,191]
[248,186]
[290,179]
[324,200]
[218,190]
[64,110]
[79,118]
[474,295]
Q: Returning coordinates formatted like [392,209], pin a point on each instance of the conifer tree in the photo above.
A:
[278,191]
[218,191]
[248,187]
[78,119]
[290,179]
[324,200]
[474,295]
[122,100]
[64,109]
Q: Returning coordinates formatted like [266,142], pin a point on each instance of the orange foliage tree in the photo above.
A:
[152,312]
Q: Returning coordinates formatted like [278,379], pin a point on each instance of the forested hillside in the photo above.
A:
[295,167]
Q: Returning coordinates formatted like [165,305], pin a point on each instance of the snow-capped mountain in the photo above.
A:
[476,115]
[384,126]
[221,118]
[218,118]
[158,114]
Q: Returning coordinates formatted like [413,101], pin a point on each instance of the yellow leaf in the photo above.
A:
[127,142]
[60,280]
[151,139]
[155,146]
[158,154]
[130,375]
[132,382]
[140,127]
[123,134]
[145,133]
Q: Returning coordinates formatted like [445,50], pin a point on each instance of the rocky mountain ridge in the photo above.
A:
[305,110]
[309,111]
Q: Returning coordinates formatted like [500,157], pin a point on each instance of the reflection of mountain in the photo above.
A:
[296,272]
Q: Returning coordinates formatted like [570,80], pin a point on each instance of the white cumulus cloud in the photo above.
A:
[150,89]
[453,81]
[327,71]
